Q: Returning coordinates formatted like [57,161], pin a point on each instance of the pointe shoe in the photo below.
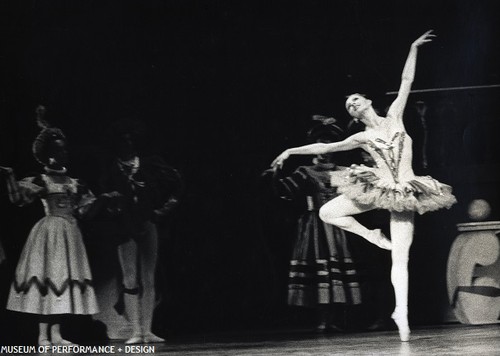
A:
[136,339]
[150,338]
[401,321]
[377,238]
[44,342]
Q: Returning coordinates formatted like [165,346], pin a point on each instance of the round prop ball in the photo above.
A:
[479,209]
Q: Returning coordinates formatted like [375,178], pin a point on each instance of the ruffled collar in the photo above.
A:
[53,171]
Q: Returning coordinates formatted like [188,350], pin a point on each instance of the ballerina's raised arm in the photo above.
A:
[397,107]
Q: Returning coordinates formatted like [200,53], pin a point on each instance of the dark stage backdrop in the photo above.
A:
[224,87]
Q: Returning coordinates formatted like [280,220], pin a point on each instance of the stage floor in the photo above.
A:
[435,341]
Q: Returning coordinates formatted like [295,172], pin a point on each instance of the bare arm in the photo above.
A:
[349,143]
[398,106]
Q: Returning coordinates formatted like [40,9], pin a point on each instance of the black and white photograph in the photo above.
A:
[215,177]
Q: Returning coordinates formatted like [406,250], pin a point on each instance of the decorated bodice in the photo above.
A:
[60,195]
[60,198]
[393,158]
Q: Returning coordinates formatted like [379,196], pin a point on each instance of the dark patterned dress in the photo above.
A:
[53,274]
[321,267]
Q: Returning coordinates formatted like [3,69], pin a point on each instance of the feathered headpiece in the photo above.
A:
[324,128]
[47,135]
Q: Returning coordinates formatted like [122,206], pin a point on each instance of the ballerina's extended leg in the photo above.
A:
[339,212]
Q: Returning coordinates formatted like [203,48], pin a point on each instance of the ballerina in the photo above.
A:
[390,185]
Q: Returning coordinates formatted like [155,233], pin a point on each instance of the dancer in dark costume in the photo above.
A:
[321,271]
[53,276]
[150,190]
[391,185]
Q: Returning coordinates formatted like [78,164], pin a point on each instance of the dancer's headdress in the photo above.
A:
[47,135]
[324,128]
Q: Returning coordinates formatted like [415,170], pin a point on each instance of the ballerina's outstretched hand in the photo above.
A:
[426,37]
[278,161]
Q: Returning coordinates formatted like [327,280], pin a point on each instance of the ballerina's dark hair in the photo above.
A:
[348,96]
[45,138]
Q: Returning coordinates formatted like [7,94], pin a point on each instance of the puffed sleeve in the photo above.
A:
[26,190]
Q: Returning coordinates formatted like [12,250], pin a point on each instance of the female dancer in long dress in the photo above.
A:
[391,185]
[53,276]
[322,272]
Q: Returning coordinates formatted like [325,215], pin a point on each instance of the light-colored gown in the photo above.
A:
[53,274]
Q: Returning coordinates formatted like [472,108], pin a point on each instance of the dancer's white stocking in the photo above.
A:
[402,227]
[43,334]
[148,256]
[338,212]
[127,253]
[132,308]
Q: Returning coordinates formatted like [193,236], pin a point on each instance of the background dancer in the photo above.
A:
[322,273]
[53,276]
[150,190]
